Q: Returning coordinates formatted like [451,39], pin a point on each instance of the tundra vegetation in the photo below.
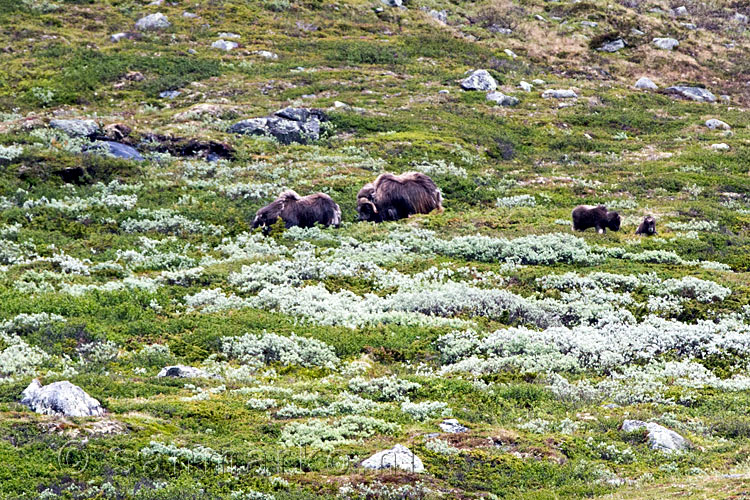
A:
[322,346]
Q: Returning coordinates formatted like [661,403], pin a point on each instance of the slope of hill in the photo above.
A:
[317,348]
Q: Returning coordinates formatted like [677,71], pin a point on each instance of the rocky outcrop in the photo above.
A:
[289,125]
[60,398]
[398,457]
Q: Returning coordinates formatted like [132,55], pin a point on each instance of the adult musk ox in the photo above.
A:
[647,227]
[302,211]
[393,197]
[586,216]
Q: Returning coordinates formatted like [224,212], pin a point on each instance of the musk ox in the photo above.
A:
[302,211]
[586,216]
[393,197]
[647,227]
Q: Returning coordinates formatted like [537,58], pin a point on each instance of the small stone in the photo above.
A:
[740,18]
[451,426]
[538,82]
[659,437]
[398,457]
[502,99]
[725,98]
[610,406]
[637,32]
[192,52]
[559,94]
[666,43]
[500,30]
[224,45]
[234,36]
[444,91]
[645,83]
[117,37]
[510,53]
[479,80]
[720,147]
[715,124]
[153,22]
[612,46]
[189,15]
[698,94]
[590,24]
[182,371]
[169,94]
[526,86]
[540,18]
[60,398]
[439,15]
[76,128]
[689,26]
[680,11]
[340,105]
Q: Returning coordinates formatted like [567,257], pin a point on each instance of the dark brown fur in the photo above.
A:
[647,227]
[598,217]
[302,211]
[393,197]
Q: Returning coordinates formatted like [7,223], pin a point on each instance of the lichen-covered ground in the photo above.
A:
[323,346]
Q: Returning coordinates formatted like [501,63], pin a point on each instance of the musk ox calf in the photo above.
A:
[586,216]
[302,211]
[393,197]
[647,227]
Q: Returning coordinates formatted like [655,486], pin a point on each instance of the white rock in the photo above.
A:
[444,91]
[666,43]
[526,86]
[479,80]
[398,457]
[680,11]
[720,147]
[741,18]
[659,437]
[153,22]
[612,46]
[590,24]
[233,36]
[224,45]
[182,371]
[117,37]
[452,426]
[538,82]
[60,398]
[510,53]
[715,124]
[637,32]
[189,15]
[559,94]
[645,83]
[266,54]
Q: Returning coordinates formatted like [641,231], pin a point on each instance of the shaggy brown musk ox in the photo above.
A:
[393,197]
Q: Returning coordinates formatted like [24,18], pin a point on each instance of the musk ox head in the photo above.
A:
[613,221]
[268,215]
[365,204]
[647,227]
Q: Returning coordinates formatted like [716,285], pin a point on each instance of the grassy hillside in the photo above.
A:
[320,347]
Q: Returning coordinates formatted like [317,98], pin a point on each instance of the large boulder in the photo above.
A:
[153,22]
[659,437]
[60,398]
[693,93]
[288,125]
[76,128]
[479,80]
[398,457]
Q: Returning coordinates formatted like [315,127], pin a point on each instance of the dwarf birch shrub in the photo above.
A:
[384,388]
[197,455]
[326,436]
[442,447]
[267,348]
[425,409]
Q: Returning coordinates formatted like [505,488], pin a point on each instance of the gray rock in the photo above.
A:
[182,371]
[538,82]
[393,3]
[60,398]
[288,125]
[720,147]
[117,37]
[76,128]
[224,45]
[116,149]
[610,406]
[665,43]
[439,15]
[502,99]
[689,26]
[659,437]
[231,36]
[637,32]
[590,24]
[479,80]
[169,94]
[495,28]
[153,22]
[526,86]
[398,457]
[189,15]
[740,18]
[645,83]
[680,11]
[693,93]
[559,94]
[715,124]
[444,91]
[452,426]
[612,46]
